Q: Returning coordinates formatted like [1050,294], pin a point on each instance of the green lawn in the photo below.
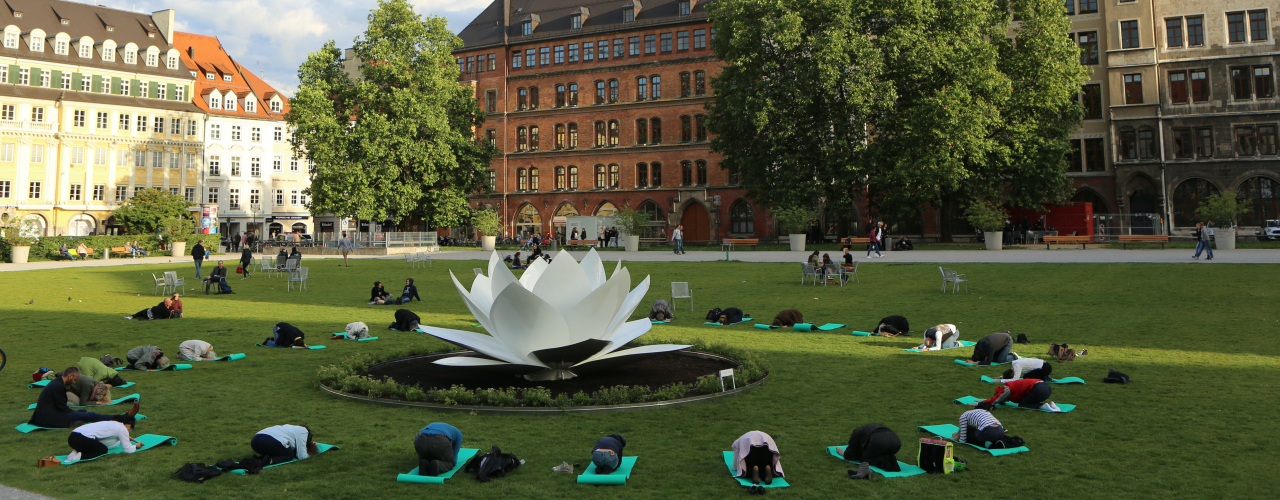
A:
[1198,341]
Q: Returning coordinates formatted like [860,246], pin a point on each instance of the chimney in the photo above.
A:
[164,22]
[191,52]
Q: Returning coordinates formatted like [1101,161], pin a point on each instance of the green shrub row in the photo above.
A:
[348,376]
[47,247]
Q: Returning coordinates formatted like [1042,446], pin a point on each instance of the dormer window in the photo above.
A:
[250,106]
[153,59]
[230,103]
[130,57]
[111,28]
[86,50]
[577,21]
[275,106]
[526,28]
[208,76]
[108,54]
[171,62]
[60,47]
[17,14]
[215,102]
[685,8]
[66,22]
[11,40]
[226,78]
[629,15]
[37,43]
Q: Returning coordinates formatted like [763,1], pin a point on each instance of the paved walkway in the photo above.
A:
[7,493]
[1057,256]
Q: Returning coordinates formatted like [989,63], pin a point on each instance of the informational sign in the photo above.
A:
[209,219]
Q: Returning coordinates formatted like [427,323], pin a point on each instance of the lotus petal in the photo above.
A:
[628,306]
[566,285]
[624,357]
[489,365]
[570,355]
[626,333]
[526,323]
[499,279]
[484,344]
[481,314]
[593,317]
[594,268]
[531,275]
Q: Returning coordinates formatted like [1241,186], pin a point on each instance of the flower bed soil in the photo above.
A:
[655,372]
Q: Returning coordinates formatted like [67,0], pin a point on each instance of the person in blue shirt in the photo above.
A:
[437,446]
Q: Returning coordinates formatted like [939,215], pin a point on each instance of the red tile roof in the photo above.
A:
[204,54]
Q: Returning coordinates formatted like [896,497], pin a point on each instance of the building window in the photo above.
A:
[293,197]
[37,153]
[1133,89]
[1094,155]
[573,94]
[577,21]
[1091,99]
[559,139]
[1240,85]
[682,40]
[642,87]
[78,118]
[515,59]
[1199,85]
[615,177]
[588,51]
[74,193]
[255,166]
[1246,142]
[24,76]
[1263,83]
[642,132]
[699,82]
[1146,144]
[522,139]
[700,39]
[235,166]
[614,132]
[531,58]
[526,28]
[633,46]
[559,54]
[1267,140]
[1258,25]
[1089,48]
[655,129]
[666,42]
[278,133]
[214,165]
[6,151]
[629,15]
[1178,87]
[533,138]
[45,78]
[701,166]
[700,126]
[1129,38]
[1182,144]
[642,175]
[1071,7]
[235,132]
[1195,31]
[533,98]
[233,198]
[522,98]
[33,191]
[559,180]
[618,50]
[533,179]
[1088,6]
[573,136]
[1187,197]
[544,56]
[492,136]
[100,157]
[99,192]
[741,219]
[77,155]
[600,177]
[255,134]
[686,173]
[600,134]
[655,175]
[1075,160]
[1235,27]
[522,179]
[573,52]
[293,165]
[1204,142]
[1128,145]
[124,122]
[650,45]
[1173,32]
[491,101]
[573,177]
[686,128]
[613,91]
[600,92]
[686,85]
[684,7]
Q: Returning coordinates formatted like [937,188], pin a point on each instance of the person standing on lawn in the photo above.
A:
[197,254]
[677,237]
[437,446]
[344,246]
[246,259]
[873,239]
[1203,236]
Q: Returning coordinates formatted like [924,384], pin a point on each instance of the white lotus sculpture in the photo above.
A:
[557,321]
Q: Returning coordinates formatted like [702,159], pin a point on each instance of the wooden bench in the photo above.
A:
[728,243]
[581,243]
[857,241]
[1083,241]
[121,251]
[1125,240]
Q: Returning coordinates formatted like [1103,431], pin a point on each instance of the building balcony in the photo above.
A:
[24,125]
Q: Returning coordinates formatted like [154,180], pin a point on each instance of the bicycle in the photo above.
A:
[3,359]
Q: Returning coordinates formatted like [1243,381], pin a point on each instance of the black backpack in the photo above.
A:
[1007,442]
[197,473]
[714,314]
[492,465]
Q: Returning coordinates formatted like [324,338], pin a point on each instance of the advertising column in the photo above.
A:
[209,218]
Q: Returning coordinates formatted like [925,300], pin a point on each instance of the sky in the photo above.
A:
[273,37]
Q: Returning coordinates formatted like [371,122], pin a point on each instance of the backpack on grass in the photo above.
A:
[197,472]
[714,314]
[936,456]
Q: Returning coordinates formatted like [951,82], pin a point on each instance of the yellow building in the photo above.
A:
[94,107]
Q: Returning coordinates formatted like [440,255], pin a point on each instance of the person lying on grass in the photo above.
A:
[158,311]
[730,316]
[873,445]
[1027,393]
[607,453]
[437,446]
[175,306]
[196,350]
[1028,368]
[756,457]
[406,321]
[284,443]
[661,311]
[892,326]
[994,348]
[146,358]
[944,336]
[788,317]
[286,335]
[91,441]
[52,410]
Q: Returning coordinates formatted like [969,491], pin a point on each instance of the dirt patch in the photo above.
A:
[655,372]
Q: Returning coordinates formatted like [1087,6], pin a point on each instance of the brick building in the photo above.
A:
[596,107]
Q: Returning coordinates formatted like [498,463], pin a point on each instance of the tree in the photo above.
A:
[146,211]
[399,140]
[1223,209]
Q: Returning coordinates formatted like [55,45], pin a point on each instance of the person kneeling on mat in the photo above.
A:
[730,316]
[979,427]
[357,331]
[284,443]
[607,454]
[53,412]
[94,369]
[1028,368]
[437,446]
[873,445]
[892,326]
[661,311]
[406,321]
[756,457]
[91,441]
[944,336]
[196,350]
[994,348]
[1027,393]
[286,335]
[146,358]
[788,317]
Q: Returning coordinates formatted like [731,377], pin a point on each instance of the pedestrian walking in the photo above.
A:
[677,237]
[873,239]
[1203,234]
[197,254]
[344,246]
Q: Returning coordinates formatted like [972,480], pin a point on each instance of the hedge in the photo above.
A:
[46,248]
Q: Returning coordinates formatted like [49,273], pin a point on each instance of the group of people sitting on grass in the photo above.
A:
[380,296]
[169,308]
[518,262]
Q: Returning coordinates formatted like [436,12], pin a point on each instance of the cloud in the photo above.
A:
[273,37]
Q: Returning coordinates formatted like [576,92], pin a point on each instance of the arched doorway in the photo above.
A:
[606,210]
[528,221]
[1188,197]
[560,219]
[81,225]
[697,225]
[656,220]
[299,227]
[1088,195]
[275,229]
[33,226]
[1259,194]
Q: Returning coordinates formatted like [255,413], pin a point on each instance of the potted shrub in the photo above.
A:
[630,222]
[15,230]
[1223,211]
[794,220]
[987,217]
[177,230]
[487,223]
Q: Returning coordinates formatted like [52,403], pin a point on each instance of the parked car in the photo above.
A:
[1270,230]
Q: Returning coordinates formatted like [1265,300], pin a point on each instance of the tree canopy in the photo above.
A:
[906,102]
[146,211]
[399,140]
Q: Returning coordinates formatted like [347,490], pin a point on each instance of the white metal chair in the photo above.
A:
[833,272]
[681,290]
[423,257]
[298,276]
[173,282]
[808,272]
[949,276]
[290,266]
[264,264]
[411,259]
[477,271]
[846,274]
[159,283]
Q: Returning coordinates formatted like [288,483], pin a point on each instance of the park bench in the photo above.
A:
[121,251]
[581,243]
[1125,240]
[1143,238]
[1083,241]
[857,241]
[728,243]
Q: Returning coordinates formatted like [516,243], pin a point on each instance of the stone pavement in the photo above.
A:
[7,493]
[1056,256]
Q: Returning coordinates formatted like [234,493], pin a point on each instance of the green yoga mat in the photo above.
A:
[131,397]
[43,383]
[762,327]
[144,442]
[962,344]
[1067,380]
[464,455]
[970,400]
[173,367]
[908,470]
[946,430]
[343,335]
[650,322]
[28,428]
[308,347]
[319,446]
[617,477]
[961,362]
[712,323]
[232,357]
[778,482]
[861,334]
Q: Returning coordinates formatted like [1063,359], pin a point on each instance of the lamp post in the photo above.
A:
[255,208]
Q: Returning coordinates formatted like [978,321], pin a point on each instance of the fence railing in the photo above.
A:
[382,240]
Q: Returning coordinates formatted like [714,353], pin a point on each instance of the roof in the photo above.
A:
[86,20]
[205,54]
[94,98]
[555,19]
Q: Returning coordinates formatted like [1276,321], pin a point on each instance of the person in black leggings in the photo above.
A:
[284,443]
[873,445]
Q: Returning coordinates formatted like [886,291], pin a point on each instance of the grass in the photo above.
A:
[1198,342]
[772,247]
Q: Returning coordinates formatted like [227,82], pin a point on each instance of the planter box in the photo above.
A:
[1224,239]
[487,243]
[19,254]
[797,242]
[994,239]
[177,248]
[631,243]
